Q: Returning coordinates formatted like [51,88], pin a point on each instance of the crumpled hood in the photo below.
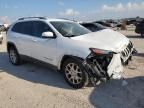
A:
[106,39]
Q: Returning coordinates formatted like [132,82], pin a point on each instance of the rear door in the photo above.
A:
[22,32]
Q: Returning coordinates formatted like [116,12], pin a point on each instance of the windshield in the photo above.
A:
[70,29]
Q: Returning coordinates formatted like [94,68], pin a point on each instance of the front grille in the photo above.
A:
[127,52]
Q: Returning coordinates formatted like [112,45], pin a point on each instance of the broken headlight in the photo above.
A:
[96,64]
[102,57]
[100,52]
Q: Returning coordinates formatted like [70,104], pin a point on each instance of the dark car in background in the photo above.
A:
[93,26]
[104,23]
[114,23]
[140,28]
[133,21]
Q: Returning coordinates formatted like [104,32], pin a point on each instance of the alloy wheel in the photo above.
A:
[73,73]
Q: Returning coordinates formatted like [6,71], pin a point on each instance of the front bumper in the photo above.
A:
[115,66]
[104,67]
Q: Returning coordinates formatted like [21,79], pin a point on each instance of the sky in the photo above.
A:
[82,10]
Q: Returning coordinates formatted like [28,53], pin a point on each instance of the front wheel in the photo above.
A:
[74,73]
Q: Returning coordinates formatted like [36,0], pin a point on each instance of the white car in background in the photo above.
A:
[2,29]
[80,54]
[1,38]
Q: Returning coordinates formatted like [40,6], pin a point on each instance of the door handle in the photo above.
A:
[15,36]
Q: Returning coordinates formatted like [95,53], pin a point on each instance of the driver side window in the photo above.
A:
[40,27]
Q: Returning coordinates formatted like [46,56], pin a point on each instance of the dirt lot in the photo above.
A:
[33,86]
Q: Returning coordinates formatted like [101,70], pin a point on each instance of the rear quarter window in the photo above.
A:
[16,27]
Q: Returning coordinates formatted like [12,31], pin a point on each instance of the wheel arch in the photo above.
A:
[10,44]
[65,57]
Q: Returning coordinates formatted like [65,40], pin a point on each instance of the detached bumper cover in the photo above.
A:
[115,66]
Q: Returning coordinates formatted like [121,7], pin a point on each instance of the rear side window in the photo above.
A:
[23,27]
[16,27]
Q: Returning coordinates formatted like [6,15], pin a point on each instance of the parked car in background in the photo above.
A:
[2,28]
[114,23]
[140,28]
[81,55]
[93,26]
[1,38]
[104,23]
[132,21]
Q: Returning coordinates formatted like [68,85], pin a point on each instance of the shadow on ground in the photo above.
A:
[114,95]
[33,72]
[105,95]
[139,54]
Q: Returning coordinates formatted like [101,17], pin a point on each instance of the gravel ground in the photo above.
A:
[34,86]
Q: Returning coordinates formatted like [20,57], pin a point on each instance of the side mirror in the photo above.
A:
[47,34]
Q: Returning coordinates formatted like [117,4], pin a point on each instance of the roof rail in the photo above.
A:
[31,17]
[68,19]
[64,18]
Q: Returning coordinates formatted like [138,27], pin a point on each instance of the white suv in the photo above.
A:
[81,55]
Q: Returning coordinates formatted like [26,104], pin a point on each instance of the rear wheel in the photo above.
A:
[14,56]
[75,73]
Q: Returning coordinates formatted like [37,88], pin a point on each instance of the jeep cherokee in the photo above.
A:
[80,54]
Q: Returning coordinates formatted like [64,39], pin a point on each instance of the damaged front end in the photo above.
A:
[101,65]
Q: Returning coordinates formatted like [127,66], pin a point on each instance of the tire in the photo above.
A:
[14,57]
[74,73]
[142,35]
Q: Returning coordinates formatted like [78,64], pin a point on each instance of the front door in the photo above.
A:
[43,49]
